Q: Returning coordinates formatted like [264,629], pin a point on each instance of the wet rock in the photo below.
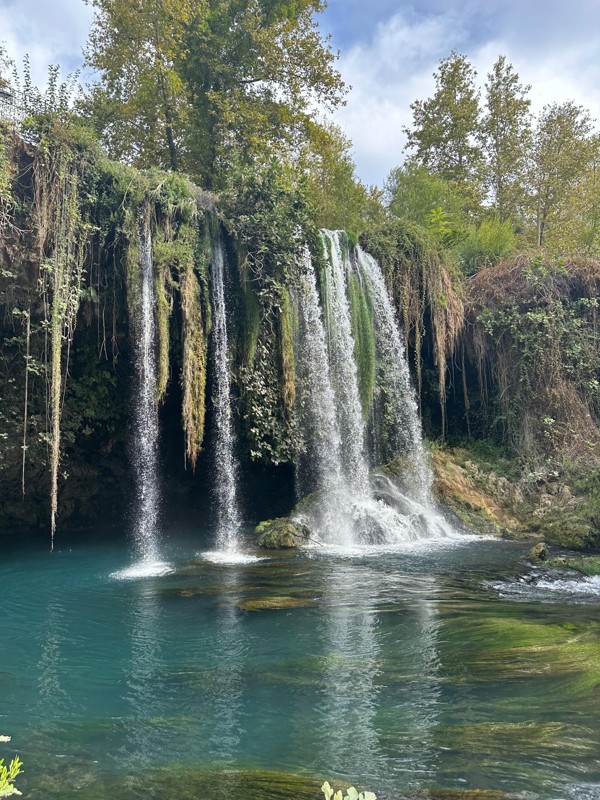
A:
[281,534]
[538,553]
[273,603]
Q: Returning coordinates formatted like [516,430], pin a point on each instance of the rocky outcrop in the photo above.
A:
[281,534]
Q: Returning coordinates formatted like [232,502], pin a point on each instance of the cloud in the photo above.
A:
[49,32]
[551,49]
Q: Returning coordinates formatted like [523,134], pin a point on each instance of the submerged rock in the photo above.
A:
[273,603]
[538,553]
[281,534]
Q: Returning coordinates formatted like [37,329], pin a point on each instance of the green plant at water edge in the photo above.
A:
[8,774]
[351,794]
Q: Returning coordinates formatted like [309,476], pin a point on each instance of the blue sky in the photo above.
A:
[388,52]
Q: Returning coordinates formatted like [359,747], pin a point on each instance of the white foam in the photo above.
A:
[143,569]
[229,557]
[407,546]
[566,587]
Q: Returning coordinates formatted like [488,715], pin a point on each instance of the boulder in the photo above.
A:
[281,534]
[538,553]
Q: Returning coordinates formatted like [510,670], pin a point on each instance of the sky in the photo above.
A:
[389,50]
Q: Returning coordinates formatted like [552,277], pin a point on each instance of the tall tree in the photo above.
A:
[563,151]
[139,105]
[198,79]
[444,132]
[340,200]
[506,137]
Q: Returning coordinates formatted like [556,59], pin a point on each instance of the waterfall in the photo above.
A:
[226,466]
[402,433]
[345,504]
[320,467]
[343,364]
[145,444]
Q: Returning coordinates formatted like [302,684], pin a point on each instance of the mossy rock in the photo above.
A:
[273,603]
[538,553]
[538,739]
[281,534]
[586,565]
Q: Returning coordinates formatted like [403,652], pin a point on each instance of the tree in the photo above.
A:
[139,106]
[339,198]
[444,132]
[563,151]
[506,136]
[194,83]
[417,195]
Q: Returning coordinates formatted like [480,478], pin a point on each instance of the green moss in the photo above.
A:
[538,739]
[194,363]
[180,782]
[251,322]
[286,350]
[364,339]
[586,565]
[503,645]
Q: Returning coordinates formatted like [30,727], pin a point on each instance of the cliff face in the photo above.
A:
[511,355]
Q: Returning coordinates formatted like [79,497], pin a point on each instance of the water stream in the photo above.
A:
[226,469]
[145,446]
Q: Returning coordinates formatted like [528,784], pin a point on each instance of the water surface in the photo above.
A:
[446,668]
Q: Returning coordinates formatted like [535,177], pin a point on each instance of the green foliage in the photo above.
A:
[535,344]
[183,84]
[340,201]
[265,208]
[562,152]
[8,774]
[505,134]
[417,195]
[350,794]
[364,339]
[486,245]
[444,129]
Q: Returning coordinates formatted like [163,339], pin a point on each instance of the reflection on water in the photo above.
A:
[145,699]
[53,698]
[399,672]
[225,713]
[372,725]
[351,649]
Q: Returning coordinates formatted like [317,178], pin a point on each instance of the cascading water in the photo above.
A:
[226,467]
[145,444]
[403,430]
[348,506]
[343,365]
[320,468]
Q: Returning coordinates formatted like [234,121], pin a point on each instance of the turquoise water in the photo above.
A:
[407,674]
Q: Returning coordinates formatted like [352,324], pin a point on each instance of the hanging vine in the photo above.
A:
[58,167]
[428,294]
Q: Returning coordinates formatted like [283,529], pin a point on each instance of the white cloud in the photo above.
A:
[49,32]
[396,66]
